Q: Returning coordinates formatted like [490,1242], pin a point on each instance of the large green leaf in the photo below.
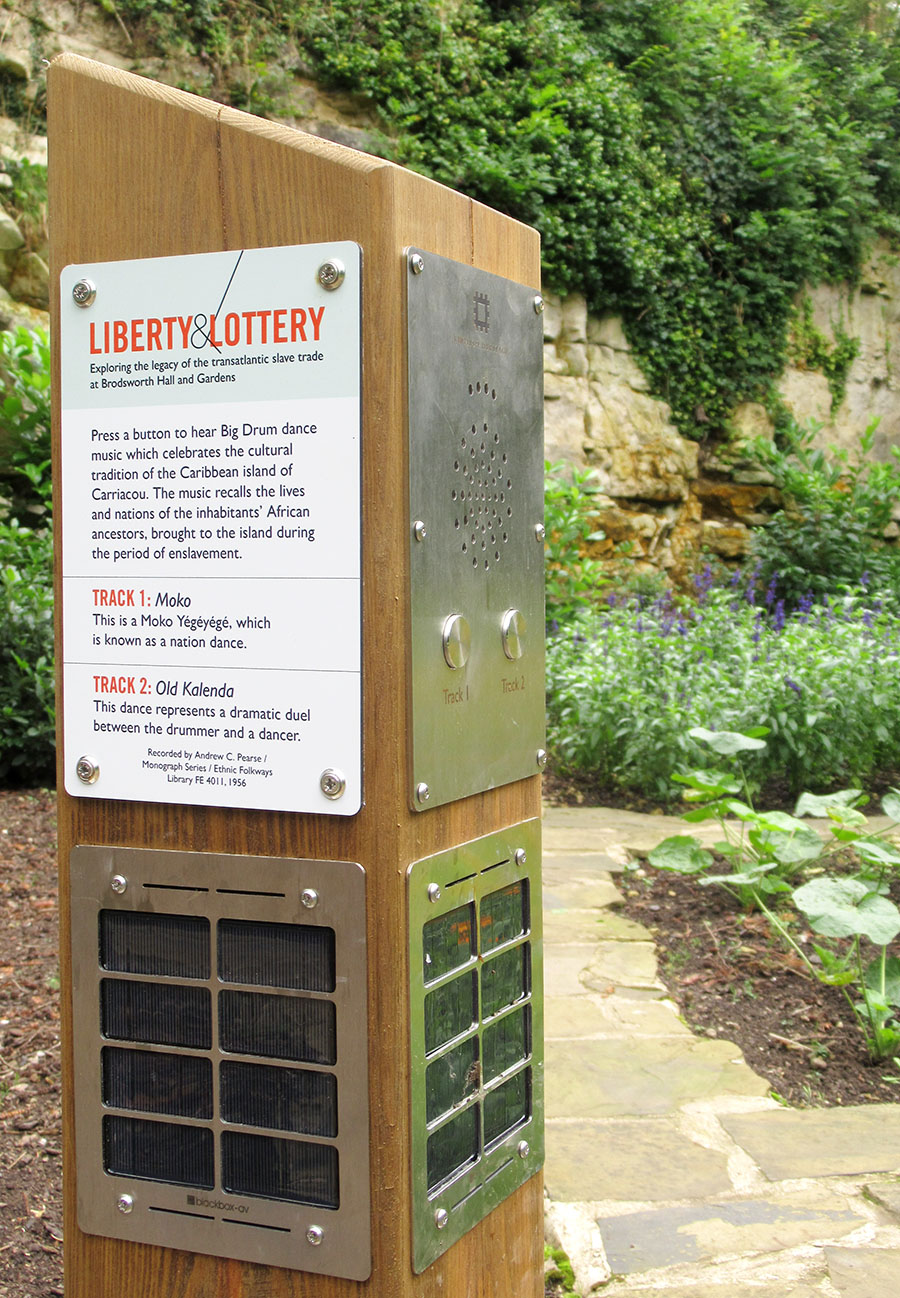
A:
[876,853]
[680,853]
[847,908]
[890,991]
[891,804]
[727,742]
[815,804]
[789,848]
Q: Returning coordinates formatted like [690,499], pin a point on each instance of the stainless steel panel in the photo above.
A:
[173,947]
[476,499]
[476,1032]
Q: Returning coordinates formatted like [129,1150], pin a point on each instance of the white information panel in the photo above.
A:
[211,529]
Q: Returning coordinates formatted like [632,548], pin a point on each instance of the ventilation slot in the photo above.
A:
[179,1085]
[168,946]
[277,955]
[284,1099]
[282,1027]
[156,1013]
[271,1168]
[158,1151]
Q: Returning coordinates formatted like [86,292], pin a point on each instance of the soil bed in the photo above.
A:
[732,977]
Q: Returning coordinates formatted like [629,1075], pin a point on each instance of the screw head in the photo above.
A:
[539,531]
[125,1203]
[84,292]
[423,793]
[118,883]
[315,1235]
[420,531]
[87,770]
[523,1149]
[309,898]
[520,856]
[331,274]
[538,304]
[332,783]
[416,263]
[441,1218]
[541,758]
[434,892]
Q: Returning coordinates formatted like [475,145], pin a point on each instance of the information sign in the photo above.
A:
[211,529]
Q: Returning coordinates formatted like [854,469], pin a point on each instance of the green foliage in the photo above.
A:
[766,852]
[26,562]
[572,577]
[689,163]
[626,685]
[828,538]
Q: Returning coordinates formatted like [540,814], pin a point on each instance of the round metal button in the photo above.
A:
[456,640]
[512,633]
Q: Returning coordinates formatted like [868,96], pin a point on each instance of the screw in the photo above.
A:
[310,898]
[416,263]
[541,757]
[539,531]
[538,304]
[125,1203]
[441,1218]
[315,1235]
[419,530]
[520,856]
[331,274]
[423,793]
[118,883]
[87,770]
[332,784]
[84,292]
[434,892]
[523,1149]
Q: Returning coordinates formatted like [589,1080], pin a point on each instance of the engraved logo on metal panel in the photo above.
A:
[482,312]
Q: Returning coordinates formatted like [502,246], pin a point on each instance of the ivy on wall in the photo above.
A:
[689,163]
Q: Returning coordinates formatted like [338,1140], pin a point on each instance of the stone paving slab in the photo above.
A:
[864,1272]
[630,1160]
[573,1017]
[622,964]
[581,862]
[565,927]
[672,1235]
[887,1196]
[563,967]
[581,894]
[788,1143]
[621,1078]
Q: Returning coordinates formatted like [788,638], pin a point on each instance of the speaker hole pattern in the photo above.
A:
[482,488]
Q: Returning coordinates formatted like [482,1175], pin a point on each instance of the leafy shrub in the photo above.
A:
[572,578]
[828,537]
[774,860]
[625,687]
[26,562]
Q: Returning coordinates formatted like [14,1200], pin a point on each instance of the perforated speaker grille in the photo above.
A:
[230,1059]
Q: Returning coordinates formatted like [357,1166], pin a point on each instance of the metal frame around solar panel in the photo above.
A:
[476,475]
[279,1232]
[438,885]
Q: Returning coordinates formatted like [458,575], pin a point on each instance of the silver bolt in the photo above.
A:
[87,770]
[520,856]
[419,530]
[118,883]
[416,263]
[541,757]
[315,1235]
[423,793]
[84,292]
[441,1218]
[539,531]
[332,784]
[125,1203]
[310,898]
[331,274]
[538,304]
[523,1149]
[434,892]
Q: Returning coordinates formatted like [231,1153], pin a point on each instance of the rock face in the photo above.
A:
[660,508]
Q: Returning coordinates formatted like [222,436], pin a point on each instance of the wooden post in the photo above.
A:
[139,170]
